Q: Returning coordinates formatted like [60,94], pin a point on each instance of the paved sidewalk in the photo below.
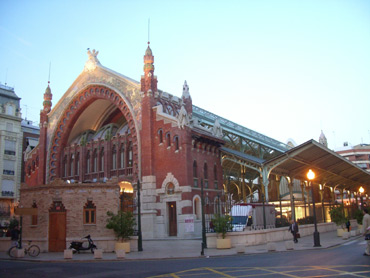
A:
[176,248]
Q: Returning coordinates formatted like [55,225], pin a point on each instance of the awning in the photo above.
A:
[331,169]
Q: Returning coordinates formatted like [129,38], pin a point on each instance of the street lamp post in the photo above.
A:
[140,237]
[204,239]
[316,235]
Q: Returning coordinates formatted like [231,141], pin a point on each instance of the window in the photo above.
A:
[95,161]
[9,127]
[10,109]
[195,169]
[176,141]
[195,174]
[168,139]
[205,175]
[89,213]
[170,189]
[130,154]
[114,158]
[215,176]
[64,166]
[72,164]
[122,157]
[88,162]
[78,164]
[8,167]
[7,188]
[9,147]
[34,217]
[101,167]
[160,135]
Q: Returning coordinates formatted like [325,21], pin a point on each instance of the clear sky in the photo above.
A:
[287,69]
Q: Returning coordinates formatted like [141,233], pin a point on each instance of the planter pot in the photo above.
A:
[340,232]
[223,243]
[122,246]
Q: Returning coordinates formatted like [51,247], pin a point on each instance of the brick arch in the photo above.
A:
[71,114]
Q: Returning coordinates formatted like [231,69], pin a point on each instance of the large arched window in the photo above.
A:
[130,154]
[65,161]
[88,161]
[114,158]
[95,161]
[101,166]
[78,164]
[122,156]
[71,166]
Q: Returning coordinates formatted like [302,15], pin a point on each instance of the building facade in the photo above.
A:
[10,151]
[104,135]
[358,154]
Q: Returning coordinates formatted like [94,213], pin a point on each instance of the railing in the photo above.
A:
[7,193]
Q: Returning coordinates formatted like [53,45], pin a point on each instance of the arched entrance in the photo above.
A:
[106,109]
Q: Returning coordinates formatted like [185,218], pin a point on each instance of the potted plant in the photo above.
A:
[359,215]
[338,217]
[222,224]
[122,224]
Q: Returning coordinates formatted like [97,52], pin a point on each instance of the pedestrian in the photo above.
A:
[293,228]
[348,226]
[365,227]
[14,233]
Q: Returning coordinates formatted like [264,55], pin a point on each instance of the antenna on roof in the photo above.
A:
[6,75]
[148,31]
[49,72]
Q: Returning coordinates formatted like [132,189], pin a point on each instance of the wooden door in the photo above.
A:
[172,217]
[57,228]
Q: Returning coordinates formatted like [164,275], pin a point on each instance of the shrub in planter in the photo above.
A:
[122,224]
[359,215]
[337,216]
[222,224]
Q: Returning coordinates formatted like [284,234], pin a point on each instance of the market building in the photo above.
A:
[108,134]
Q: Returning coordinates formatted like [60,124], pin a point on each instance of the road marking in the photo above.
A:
[343,272]
[218,272]
[299,271]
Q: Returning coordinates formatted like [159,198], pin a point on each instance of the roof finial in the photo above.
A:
[148,31]
[49,73]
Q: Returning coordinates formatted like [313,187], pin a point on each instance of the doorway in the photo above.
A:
[57,227]
[172,219]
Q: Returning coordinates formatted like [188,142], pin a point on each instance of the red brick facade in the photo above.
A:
[112,130]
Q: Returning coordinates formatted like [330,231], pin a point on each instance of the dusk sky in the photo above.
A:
[286,69]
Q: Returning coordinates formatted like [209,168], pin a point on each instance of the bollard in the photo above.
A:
[240,248]
[289,245]
[271,246]
[98,254]
[346,235]
[19,253]
[68,254]
[121,254]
